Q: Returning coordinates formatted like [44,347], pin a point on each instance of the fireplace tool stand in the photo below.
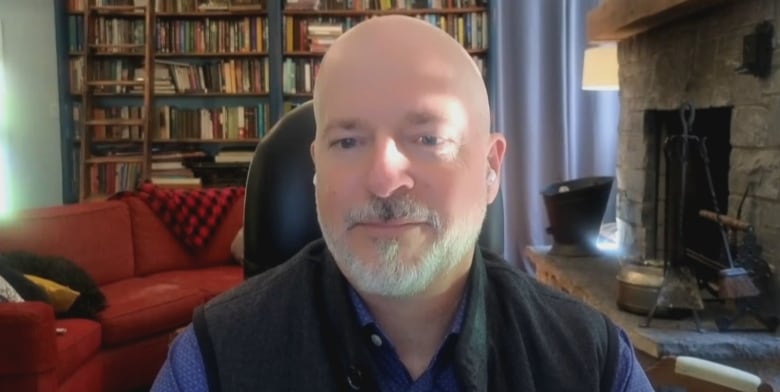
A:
[679,288]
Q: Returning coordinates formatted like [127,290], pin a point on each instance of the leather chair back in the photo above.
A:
[280,214]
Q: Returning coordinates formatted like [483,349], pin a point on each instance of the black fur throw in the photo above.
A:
[65,272]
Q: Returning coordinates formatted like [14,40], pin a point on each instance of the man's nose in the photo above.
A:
[389,170]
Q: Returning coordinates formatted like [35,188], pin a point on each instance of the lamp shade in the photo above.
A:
[600,68]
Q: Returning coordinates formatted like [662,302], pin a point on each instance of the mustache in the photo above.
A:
[386,209]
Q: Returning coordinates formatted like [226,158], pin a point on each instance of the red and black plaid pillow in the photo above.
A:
[193,215]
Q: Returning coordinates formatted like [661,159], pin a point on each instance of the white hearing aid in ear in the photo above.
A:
[314,179]
[491,178]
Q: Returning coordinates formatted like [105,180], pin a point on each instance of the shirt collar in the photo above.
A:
[365,318]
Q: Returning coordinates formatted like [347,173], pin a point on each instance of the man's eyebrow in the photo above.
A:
[347,124]
[421,117]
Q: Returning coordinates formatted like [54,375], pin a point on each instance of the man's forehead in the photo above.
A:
[421,109]
[361,120]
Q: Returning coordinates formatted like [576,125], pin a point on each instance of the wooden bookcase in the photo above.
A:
[223,75]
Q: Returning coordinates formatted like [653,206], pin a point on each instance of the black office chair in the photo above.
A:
[280,214]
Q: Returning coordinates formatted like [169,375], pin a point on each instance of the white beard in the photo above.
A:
[391,276]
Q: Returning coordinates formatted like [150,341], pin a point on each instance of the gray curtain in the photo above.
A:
[555,130]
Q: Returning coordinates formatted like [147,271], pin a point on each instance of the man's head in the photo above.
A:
[405,161]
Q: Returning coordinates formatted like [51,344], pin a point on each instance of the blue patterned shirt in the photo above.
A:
[392,374]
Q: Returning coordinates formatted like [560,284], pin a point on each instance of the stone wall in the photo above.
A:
[695,60]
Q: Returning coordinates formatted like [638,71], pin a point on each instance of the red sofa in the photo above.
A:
[151,281]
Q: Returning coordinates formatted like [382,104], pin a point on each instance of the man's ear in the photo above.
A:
[495,159]
[312,151]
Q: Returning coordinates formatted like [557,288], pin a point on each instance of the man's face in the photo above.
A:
[401,181]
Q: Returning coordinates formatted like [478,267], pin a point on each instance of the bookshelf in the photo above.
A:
[222,72]
[307,33]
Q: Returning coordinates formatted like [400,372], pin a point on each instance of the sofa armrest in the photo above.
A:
[28,338]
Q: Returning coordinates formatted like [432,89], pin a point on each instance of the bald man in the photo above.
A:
[397,296]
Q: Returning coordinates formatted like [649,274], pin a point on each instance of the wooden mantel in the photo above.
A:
[615,20]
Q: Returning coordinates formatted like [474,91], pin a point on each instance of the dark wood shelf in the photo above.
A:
[303,53]
[208,141]
[110,141]
[413,11]
[119,10]
[178,95]
[120,122]
[173,141]
[116,54]
[133,12]
[307,53]
[211,14]
[176,54]
[116,159]
[297,95]
[115,83]
[211,54]
[116,49]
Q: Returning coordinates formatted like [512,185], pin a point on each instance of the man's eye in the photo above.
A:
[430,140]
[345,143]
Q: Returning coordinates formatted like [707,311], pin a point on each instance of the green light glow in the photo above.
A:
[5,182]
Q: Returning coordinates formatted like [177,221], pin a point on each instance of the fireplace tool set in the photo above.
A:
[681,287]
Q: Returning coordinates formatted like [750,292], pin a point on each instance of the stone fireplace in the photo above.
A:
[693,56]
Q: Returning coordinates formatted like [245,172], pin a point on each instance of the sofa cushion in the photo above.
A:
[31,328]
[79,342]
[157,249]
[140,307]
[89,377]
[96,236]
[210,281]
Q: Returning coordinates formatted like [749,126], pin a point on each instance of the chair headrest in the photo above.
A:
[280,215]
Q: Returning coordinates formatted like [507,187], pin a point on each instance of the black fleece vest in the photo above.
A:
[293,328]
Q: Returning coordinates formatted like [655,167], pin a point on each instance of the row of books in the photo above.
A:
[242,35]
[227,123]
[249,34]
[224,76]
[111,32]
[172,5]
[231,76]
[316,34]
[114,177]
[175,123]
[300,74]
[301,34]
